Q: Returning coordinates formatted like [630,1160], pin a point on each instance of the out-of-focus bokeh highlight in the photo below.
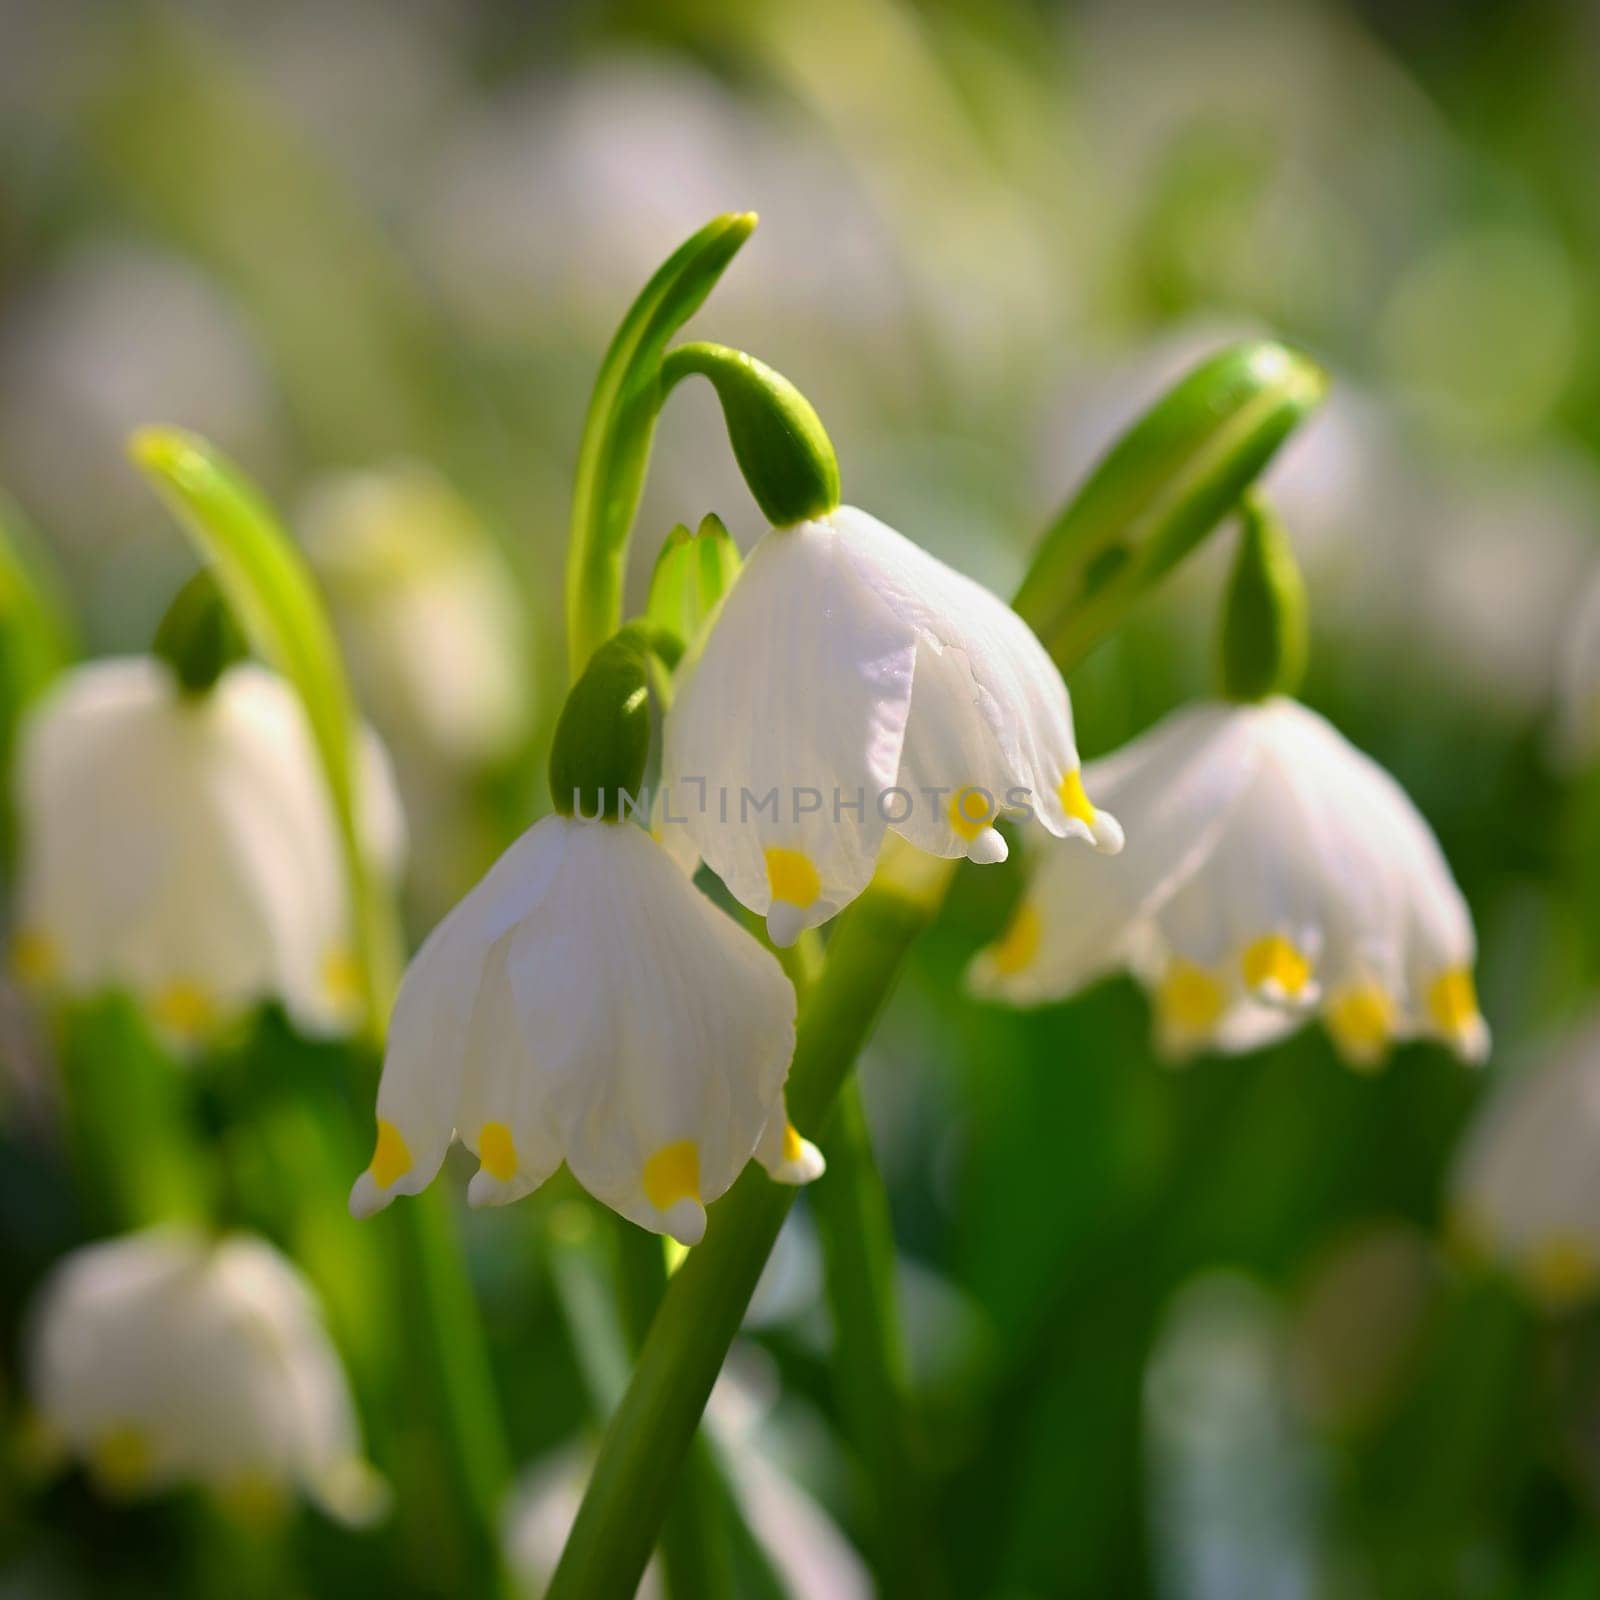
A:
[1257,1327]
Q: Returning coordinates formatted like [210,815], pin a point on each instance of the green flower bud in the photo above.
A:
[692,573]
[1161,488]
[1263,642]
[602,738]
[197,637]
[778,440]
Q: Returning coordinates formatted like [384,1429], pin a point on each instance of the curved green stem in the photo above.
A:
[619,428]
[1171,478]
[274,599]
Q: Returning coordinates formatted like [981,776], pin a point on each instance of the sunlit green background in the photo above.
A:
[1193,1333]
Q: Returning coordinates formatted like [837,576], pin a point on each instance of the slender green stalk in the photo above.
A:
[694,1546]
[1156,494]
[619,428]
[851,1211]
[275,601]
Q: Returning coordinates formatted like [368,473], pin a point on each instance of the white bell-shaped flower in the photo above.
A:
[1578,689]
[1525,1180]
[182,846]
[427,610]
[1272,869]
[854,684]
[585,1003]
[166,1358]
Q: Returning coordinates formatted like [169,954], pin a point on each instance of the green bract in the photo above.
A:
[778,439]
[1263,640]
[1161,488]
[692,573]
[602,739]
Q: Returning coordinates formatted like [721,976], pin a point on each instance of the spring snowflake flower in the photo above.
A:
[183,847]
[165,1358]
[585,1003]
[427,611]
[1578,700]
[854,684]
[1523,1189]
[1272,870]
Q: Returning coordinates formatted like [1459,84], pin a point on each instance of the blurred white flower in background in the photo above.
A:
[810,1557]
[1525,1192]
[1359,1321]
[586,1003]
[1237,1488]
[565,194]
[1502,545]
[183,847]
[118,336]
[1272,870]
[876,689]
[167,1358]
[1577,732]
[428,610]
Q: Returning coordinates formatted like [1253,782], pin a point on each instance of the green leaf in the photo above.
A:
[620,425]
[692,574]
[1161,488]
[36,642]
[269,588]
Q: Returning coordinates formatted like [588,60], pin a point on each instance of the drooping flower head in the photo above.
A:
[166,1358]
[1272,870]
[585,1003]
[1523,1190]
[180,844]
[850,686]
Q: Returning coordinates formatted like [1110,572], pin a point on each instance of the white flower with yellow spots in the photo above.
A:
[852,685]
[182,847]
[1525,1180]
[1578,690]
[168,1358]
[1272,870]
[587,1004]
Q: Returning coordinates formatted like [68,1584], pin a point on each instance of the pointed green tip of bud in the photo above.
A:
[778,439]
[197,637]
[602,738]
[167,451]
[1264,625]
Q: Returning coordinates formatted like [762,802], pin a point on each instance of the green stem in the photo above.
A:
[636,1474]
[851,1211]
[696,1559]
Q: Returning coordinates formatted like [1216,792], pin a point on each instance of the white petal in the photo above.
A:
[1176,786]
[788,726]
[787,1157]
[431,1038]
[662,1099]
[999,702]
